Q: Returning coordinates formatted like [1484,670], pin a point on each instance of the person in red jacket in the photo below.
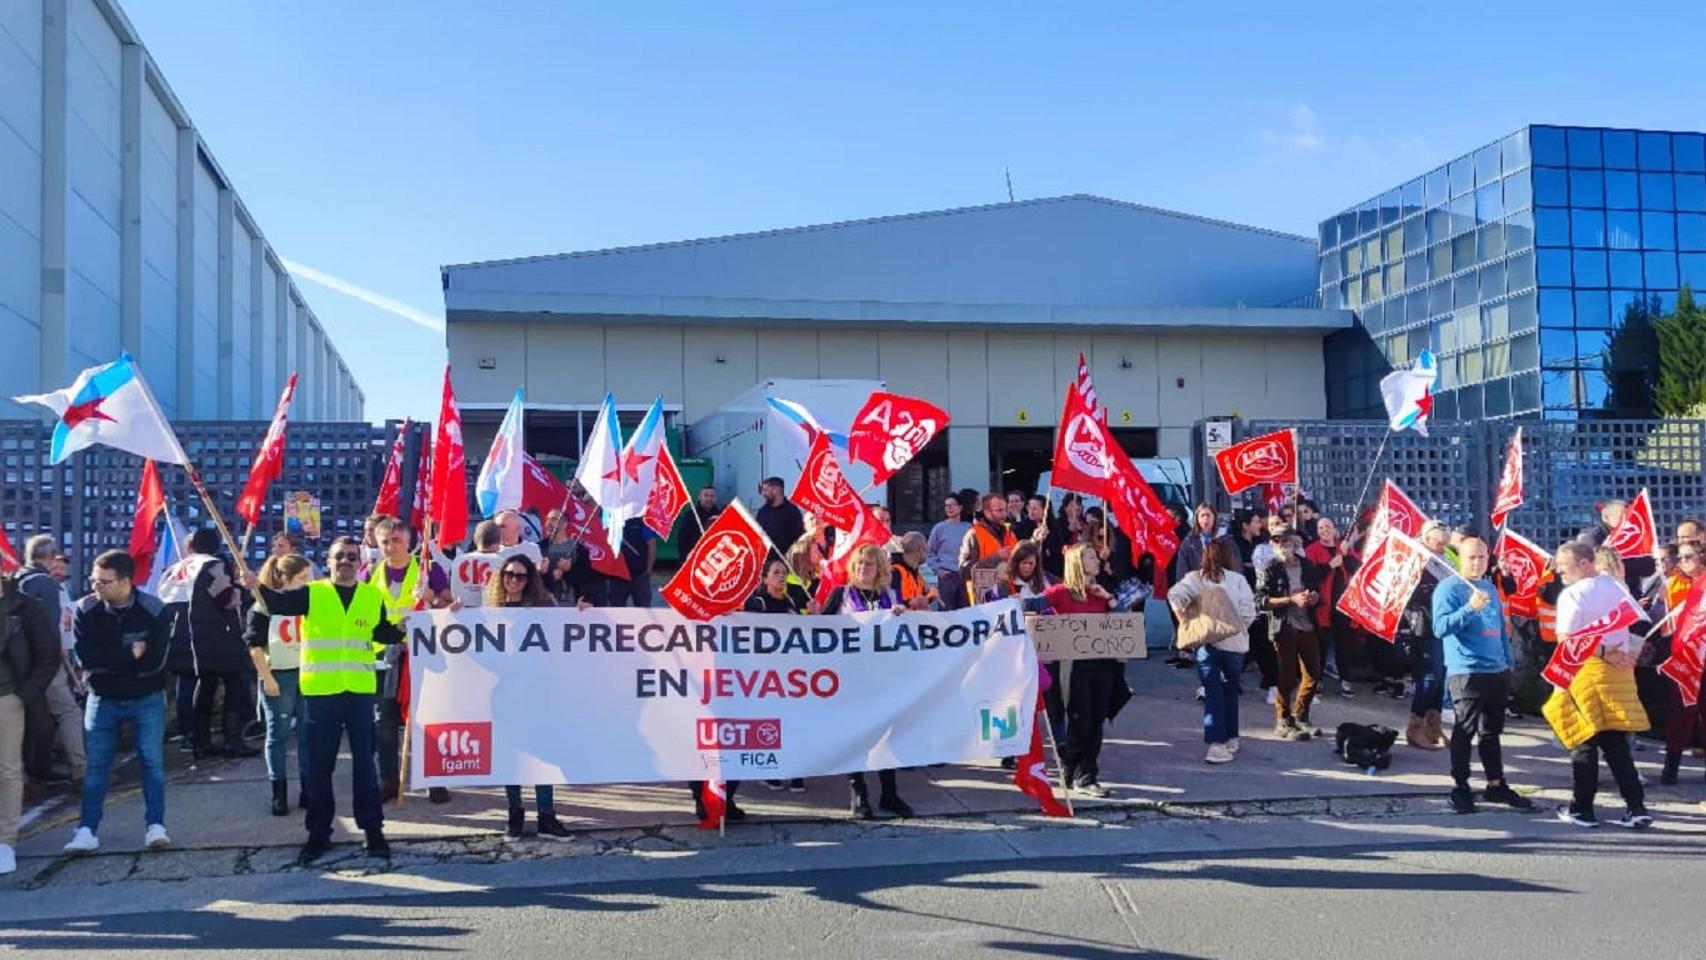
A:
[1338,640]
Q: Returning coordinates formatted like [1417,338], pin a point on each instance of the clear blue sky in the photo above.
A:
[376,140]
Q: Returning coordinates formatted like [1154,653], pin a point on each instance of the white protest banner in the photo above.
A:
[1088,636]
[624,695]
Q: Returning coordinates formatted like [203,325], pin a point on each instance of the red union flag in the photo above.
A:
[587,523]
[389,501]
[1687,659]
[449,506]
[890,430]
[1377,592]
[724,568]
[1574,649]
[867,528]
[269,459]
[1030,771]
[1635,536]
[1139,512]
[1082,457]
[823,489]
[1524,563]
[1269,458]
[423,484]
[1509,496]
[1395,511]
[668,496]
[541,491]
[144,540]
[9,554]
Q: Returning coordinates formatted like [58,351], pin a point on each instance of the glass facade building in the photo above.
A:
[1528,266]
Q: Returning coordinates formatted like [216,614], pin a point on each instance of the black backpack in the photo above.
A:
[1365,746]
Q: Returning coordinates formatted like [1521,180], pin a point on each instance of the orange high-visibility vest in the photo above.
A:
[911,583]
[987,545]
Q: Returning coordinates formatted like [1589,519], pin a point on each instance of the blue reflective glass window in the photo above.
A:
[1623,230]
[1663,301]
[1690,152]
[1525,391]
[1439,225]
[1469,400]
[1462,174]
[1347,225]
[1584,148]
[1691,192]
[1551,227]
[1394,310]
[1625,268]
[1412,196]
[1490,202]
[1590,269]
[1587,188]
[1558,347]
[1490,242]
[1656,192]
[1487,165]
[1415,234]
[1435,188]
[1439,298]
[1691,269]
[1661,268]
[1622,301]
[1658,231]
[1416,306]
[1551,186]
[1518,191]
[1368,218]
[1515,151]
[1439,260]
[1493,281]
[1619,149]
[1496,394]
[1465,291]
[1557,308]
[1595,390]
[1519,231]
[1593,309]
[1558,387]
[1463,213]
[1389,207]
[1591,346]
[1655,151]
[1525,352]
[1546,145]
[1691,231]
[1374,318]
[1587,227]
[1332,299]
[1329,234]
[1519,271]
[1463,252]
[1525,312]
[1621,190]
[1554,268]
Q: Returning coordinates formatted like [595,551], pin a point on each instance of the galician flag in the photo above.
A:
[1409,394]
[800,426]
[600,469]
[110,405]
[499,485]
[640,464]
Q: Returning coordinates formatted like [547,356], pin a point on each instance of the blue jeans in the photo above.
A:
[543,798]
[1218,670]
[329,718]
[279,711]
[1430,675]
[102,721]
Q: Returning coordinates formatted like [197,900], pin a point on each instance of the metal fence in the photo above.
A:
[1568,468]
[89,500]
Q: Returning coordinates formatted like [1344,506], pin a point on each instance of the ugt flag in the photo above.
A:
[1576,646]
[1082,460]
[1525,564]
[823,489]
[1408,394]
[269,459]
[725,567]
[389,501]
[1509,495]
[1635,536]
[1688,645]
[1269,458]
[110,405]
[499,485]
[449,481]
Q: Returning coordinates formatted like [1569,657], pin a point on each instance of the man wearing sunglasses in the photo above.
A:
[342,616]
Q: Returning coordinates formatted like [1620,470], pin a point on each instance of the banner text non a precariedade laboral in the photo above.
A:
[625,695]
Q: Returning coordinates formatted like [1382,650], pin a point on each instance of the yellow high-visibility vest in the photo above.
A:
[337,650]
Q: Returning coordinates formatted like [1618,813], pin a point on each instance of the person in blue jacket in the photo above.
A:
[1471,626]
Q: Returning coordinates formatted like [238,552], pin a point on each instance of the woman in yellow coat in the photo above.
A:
[1600,709]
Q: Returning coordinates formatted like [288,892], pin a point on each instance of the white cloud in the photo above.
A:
[1302,133]
[414,315]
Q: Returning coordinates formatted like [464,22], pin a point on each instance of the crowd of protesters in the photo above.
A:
[1252,592]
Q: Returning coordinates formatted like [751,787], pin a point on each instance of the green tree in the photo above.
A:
[1681,382]
[1628,361]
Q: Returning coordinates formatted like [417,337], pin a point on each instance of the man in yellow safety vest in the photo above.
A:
[341,618]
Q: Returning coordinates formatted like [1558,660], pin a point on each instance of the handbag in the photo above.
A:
[1131,594]
[1210,618]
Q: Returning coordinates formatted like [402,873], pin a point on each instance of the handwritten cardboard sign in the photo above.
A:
[1088,636]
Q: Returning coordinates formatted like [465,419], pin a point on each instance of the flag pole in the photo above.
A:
[248,532]
[1356,508]
[1065,788]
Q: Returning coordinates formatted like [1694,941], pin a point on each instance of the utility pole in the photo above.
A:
[1009,172]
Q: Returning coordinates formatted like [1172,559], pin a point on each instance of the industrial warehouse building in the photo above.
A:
[981,310]
[119,232]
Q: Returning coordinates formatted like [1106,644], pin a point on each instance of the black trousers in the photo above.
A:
[1480,700]
[885,783]
[388,739]
[1089,698]
[1584,766]
[329,719]
[238,709]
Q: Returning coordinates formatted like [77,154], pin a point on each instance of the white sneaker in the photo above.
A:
[1273,695]
[1217,753]
[1232,746]
[1200,696]
[83,841]
[8,859]
[155,838]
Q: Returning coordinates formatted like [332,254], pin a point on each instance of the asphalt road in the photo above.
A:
[1493,885]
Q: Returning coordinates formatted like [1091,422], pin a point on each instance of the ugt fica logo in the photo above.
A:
[458,749]
[997,722]
[733,733]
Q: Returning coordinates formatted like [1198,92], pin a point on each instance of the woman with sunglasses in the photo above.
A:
[1685,723]
[517,584]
